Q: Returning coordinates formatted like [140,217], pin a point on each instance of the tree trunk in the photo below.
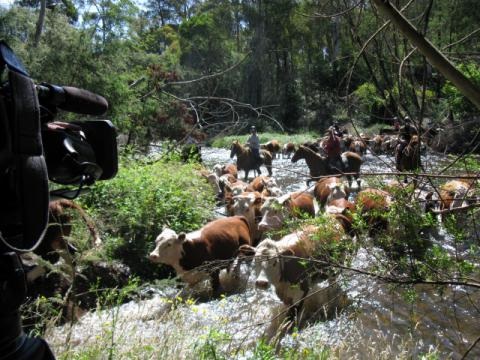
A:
[40,23]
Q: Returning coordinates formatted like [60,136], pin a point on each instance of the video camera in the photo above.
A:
[33,150]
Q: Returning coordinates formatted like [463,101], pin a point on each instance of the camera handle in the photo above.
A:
[14,344]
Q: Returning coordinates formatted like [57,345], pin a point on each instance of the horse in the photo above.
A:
[318,164]
[408,159]
[246,160]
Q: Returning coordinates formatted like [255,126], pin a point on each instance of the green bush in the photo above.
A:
[140,200]
[457,101]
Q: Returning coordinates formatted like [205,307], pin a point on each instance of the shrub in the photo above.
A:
[140,200]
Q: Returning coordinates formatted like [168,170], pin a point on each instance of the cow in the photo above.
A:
[258,183]
[219,181]
[201,254]
[266,185]
[60,227]
[214,180]
[328,189]
[287,150]
[248,204]
[455,193]
[229,169]
[273,146]
[343,211]
[358,146]
[232,189]
[276,210]
[389,144]
[55,243]
[284,263]
[373,204]
[376,144]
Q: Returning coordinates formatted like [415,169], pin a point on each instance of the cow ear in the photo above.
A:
[246,250]
[181,237]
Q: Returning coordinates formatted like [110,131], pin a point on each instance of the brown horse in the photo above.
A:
[246,161]
[408,159]
[318,164]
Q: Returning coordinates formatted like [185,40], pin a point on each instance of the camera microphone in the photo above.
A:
[72,99]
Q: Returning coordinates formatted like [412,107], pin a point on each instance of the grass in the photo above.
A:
[225,142]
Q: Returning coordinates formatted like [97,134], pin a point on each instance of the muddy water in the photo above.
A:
[380,319]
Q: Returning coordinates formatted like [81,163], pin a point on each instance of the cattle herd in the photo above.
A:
[262,228]
[259,229]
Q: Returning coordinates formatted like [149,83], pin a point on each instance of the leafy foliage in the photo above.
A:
[143,198]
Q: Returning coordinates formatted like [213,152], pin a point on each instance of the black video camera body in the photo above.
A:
[34,149]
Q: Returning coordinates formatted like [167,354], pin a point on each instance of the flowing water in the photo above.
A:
[381,319]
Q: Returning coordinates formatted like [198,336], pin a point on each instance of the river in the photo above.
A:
[382,321]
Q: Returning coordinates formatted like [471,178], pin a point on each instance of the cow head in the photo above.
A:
[270,187]
[274,211]
[337,191]
[268,263]
[217,169]
[168,249]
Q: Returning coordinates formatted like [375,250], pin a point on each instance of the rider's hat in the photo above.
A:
[253,128]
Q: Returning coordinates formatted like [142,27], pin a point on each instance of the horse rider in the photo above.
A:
[396,124]
[404,136]
[338,132]
[254,143]
[333,149]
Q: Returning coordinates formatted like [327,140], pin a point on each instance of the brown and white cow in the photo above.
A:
[287,150]
[328,189]
[276,209]
[55,243]
[273,146]
[358,146]
[265,185]
[373,204]
[284,263]
[214,180]
[201,254]
[229,169]
[376,144]
[455,193]
[248,204]
[60,227]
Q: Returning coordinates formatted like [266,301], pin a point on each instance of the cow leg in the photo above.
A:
[349,179]
[215,279]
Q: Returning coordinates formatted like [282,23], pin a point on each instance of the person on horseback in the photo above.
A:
[338,132]
[333,150]
[254,144]
[404,136]
[396,124]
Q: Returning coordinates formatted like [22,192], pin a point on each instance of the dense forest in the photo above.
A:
[207,70]
[171,67]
